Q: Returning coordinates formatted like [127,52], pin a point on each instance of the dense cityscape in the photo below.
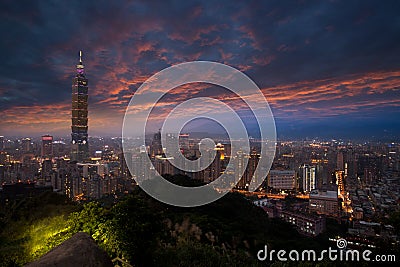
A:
[349,181]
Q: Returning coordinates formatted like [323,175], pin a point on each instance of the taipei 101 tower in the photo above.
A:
[79,127]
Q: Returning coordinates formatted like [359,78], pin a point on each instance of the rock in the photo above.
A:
[79,250]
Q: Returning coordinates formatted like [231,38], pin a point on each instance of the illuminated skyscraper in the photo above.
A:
[340,182]
[47,146]
[156,147]
[309,180]
[79,127]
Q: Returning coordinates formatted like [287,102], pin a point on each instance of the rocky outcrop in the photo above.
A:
[79,250]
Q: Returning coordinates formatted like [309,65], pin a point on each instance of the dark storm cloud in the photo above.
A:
[277,43]
[325,38]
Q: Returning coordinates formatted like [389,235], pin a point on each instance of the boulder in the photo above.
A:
[79,250]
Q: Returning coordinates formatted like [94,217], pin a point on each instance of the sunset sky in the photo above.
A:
[327,68]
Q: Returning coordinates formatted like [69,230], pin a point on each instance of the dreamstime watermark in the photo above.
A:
[341,253]
[149,94]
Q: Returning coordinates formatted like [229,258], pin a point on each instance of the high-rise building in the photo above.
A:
[339,175]
[216,165]
[340,161]
[184,142]
[212,167]
[59,149]
[1,143]
[87,180]
[324,202]
[239,165]
[282,179]
[125,160]
[163,165]
[47,146]
[79,127]
[156,147]
[26,145]
[46,171]
[141,167]
[308,176]
[252,164]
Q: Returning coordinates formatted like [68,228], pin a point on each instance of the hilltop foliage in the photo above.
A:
[145,232]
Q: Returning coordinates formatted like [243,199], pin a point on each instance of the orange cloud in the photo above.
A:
[306,99]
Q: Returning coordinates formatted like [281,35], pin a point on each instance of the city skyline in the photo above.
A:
[327,69]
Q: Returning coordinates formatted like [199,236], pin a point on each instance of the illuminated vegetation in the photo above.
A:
[32,227]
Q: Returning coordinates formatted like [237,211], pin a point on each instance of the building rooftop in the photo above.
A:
[323,194]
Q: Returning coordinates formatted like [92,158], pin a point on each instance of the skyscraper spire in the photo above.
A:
[79,126]
[80,68]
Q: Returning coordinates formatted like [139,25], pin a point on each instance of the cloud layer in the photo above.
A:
[316,61]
